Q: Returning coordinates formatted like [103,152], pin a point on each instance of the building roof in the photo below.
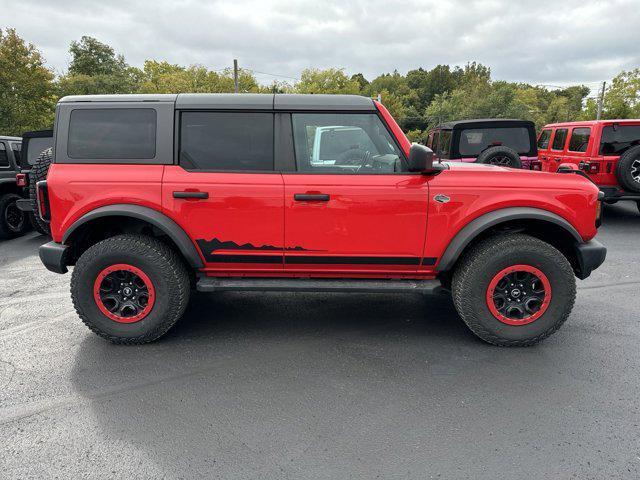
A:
[242,101]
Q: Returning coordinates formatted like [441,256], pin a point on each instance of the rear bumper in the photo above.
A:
[54,256]
[613,194]
[24,204]
[590,256]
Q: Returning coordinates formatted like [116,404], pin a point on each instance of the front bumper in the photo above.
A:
[590,256]
[54,256]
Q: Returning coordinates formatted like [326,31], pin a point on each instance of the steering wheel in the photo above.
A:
[352,157]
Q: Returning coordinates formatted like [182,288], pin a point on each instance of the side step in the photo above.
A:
[219,284]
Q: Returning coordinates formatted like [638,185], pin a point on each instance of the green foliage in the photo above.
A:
[91,57]
[332,80]
[26,87]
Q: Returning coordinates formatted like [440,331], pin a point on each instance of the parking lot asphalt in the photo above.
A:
[321,385]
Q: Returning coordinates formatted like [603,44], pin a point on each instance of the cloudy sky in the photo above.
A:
[555,42]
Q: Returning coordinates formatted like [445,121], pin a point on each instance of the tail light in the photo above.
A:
[43,200]
[593,167]
[21,179]
[599,209]
[536,166]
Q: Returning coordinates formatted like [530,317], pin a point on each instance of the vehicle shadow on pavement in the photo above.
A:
[267,385]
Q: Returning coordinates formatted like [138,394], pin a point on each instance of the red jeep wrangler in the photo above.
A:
[607,150]
[150,196]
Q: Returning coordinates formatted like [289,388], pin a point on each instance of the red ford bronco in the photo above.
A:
[608,151]
[149,196]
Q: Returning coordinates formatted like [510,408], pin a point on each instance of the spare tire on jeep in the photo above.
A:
[628,169]
[39,172]
[502,156]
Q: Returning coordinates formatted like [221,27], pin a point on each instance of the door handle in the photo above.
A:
[190,195]
[311,197]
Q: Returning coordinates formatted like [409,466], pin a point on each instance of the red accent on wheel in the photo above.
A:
[518,295]
[124,293]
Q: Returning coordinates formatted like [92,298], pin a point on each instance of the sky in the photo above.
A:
[559,42]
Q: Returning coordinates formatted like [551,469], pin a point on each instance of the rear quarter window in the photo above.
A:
[4,158]
[112,133]
[474,141]
[579,139]
[616,139]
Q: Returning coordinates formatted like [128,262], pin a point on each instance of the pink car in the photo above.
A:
[509,143]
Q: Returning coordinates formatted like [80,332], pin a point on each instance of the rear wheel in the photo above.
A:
[628,169]
[13,221]
[513,290]
[501,156]
[130,289]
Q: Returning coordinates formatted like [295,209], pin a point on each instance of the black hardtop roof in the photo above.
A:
[242,101]
[484,122]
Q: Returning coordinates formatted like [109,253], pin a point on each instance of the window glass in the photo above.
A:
[430,141]
[4,159]
[475,140]
[543,141]
[227,141]
[36,146]
[559,139]
[16,147]
[579,139]
[616,139]
[434,147]
[344,143]
[112,133]
[445,143]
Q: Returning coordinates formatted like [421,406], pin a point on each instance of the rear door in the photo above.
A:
[360,214]
[558,147]
[225,192]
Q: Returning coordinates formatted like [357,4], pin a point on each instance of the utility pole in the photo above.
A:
[601,101]
[235,74]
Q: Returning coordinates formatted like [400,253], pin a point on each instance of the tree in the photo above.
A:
[26,89]
[91,57]
[96,69]
[622,99]
[331,80]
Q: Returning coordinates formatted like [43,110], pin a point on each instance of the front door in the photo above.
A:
[351,207]
[225,192]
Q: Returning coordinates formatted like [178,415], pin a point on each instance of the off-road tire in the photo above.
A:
[38,225]
[502,156]
[484,260]
[164,267]
[628,169]
[39,172]
[7,201]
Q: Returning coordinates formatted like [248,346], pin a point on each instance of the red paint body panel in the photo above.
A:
[76,189]
[373,216]
[551,159]
[243,208]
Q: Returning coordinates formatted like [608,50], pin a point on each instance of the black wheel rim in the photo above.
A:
[635,170]
[123,294]
[14,217]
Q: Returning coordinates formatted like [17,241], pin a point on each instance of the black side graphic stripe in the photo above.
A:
[244,258]
[429,260]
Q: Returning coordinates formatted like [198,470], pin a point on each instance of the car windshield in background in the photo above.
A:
[474,140]
[618,138]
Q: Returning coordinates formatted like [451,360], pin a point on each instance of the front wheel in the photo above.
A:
[130,289]
[514,290]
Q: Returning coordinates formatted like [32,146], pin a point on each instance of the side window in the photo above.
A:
[445,143]
[543,141]
[16,147]
[559,139]
[344,143]
[434,147]
[616,139]
[4,158]
[579,139]
[112,133]
[226,141]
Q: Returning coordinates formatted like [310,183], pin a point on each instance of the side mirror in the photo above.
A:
[420,158]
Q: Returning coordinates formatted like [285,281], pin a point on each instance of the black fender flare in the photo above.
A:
[474,228]
[154,217]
